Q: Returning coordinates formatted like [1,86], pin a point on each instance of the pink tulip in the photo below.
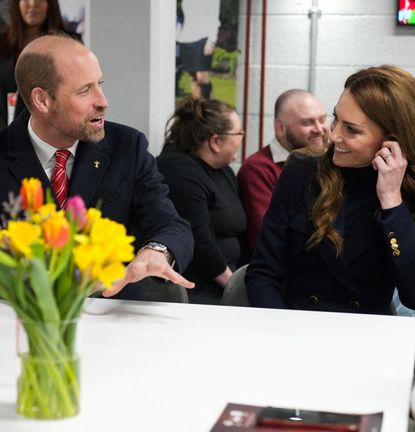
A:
[75,207]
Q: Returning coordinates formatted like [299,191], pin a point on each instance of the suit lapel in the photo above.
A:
[89,168]
[24,161]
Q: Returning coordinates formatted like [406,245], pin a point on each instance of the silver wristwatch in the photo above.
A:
[159,248]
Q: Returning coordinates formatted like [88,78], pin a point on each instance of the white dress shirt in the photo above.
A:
[46,153]
[278,152]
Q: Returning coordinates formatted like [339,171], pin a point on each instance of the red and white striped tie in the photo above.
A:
[59,177]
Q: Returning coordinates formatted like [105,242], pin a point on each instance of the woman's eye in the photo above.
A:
[351,130]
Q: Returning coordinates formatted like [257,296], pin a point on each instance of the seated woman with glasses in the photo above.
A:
[201,140]
[339,234]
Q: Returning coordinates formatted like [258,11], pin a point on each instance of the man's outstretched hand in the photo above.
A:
[148,263]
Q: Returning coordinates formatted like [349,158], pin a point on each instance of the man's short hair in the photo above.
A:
[38,69]
[283,97]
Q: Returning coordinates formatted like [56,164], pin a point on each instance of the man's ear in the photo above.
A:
[214,143]
[279,128]
[41,100]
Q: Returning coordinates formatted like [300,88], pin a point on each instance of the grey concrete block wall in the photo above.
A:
[351,35]
[135,43]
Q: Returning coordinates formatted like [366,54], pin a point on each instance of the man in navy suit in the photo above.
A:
[60,81]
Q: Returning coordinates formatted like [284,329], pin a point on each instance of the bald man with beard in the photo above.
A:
[60,81]
[300,120]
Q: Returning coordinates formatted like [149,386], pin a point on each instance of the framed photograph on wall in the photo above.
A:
[206,49]
[75,14]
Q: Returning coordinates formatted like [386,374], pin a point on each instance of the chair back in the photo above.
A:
[235,293]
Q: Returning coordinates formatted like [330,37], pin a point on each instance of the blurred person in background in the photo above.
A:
[202,139]
[197,41]
[27,20]
[300,120]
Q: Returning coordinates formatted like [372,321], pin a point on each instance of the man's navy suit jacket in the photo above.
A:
[117,172]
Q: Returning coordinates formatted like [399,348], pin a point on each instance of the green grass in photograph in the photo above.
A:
[224,88]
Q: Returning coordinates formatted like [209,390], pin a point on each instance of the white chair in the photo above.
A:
[235,293]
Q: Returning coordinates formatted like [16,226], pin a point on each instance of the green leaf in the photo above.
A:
[7,260]
[38,251]
[43,288]
[62,261]
[7,278]
[48,196]
[20,288]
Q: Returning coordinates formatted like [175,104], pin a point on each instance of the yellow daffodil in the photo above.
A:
[110,273]
[92,215]
[113,238]
[22,236]
[87,255]
[43,213]
[102,253]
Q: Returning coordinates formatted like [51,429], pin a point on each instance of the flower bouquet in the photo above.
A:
[50,261]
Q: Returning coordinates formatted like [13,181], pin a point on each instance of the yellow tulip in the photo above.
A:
[56,231]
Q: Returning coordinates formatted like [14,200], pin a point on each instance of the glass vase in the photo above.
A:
[48,385]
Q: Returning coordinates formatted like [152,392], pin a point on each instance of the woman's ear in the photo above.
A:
[214,143]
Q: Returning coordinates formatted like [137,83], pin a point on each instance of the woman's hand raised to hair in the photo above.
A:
[390,163]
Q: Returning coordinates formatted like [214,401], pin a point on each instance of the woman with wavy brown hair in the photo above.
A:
[28,19]
[339,234]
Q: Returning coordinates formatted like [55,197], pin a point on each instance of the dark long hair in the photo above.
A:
[14,32]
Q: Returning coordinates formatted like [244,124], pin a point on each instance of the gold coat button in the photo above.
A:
[396,253]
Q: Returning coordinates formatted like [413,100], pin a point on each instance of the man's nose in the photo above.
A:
[101,101]
[320,128]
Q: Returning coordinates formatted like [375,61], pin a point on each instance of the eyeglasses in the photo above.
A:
[241,133]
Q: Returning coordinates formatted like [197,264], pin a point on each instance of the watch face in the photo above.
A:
[157,246]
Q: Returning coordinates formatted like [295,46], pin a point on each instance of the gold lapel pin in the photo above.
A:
[96,163]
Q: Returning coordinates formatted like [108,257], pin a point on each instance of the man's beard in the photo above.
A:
[78,131]
[296,143]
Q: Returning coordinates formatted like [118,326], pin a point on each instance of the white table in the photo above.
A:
[173,367]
